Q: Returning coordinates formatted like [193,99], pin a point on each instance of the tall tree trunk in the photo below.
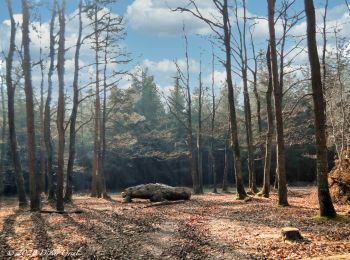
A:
[233,121]
[282,182]
[95,187]
[34,178]
[104,119]
[60,108]
[73,117]
[16,161]
[42,127]
[47,113]
[247,108]
[212,156]
[190,141]
[268,144]
[3,141]
[326,205]
[199,134]
[256,92]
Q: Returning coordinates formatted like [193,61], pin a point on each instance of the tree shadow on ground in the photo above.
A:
[8,231]
[42,240]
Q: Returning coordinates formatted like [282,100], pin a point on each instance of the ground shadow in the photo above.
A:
[8,230]
[42,240]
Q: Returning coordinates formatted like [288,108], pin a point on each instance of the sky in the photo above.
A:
[154,35]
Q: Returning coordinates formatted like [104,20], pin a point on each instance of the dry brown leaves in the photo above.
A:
[207,227]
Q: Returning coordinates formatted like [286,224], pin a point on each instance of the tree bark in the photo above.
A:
[270,126]
[42,127]
[16,161]
[212,156]
[47,113]
[3,141]
[199,134]
[247,108]
[325,202]
[73,117]
[226,169]
[282,182]
[104,119]
[233,121]
[95,189]
[34,178]
[60,108]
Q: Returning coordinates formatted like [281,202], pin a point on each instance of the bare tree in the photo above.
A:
[47,112]
[41,119]
[184,77]
[254,71]
[34,178]
[243,64]
[3,140]
[16,162]
[223,32]
[282,183]
[325,202]
[269,134]
[73,116]
[200,132]
[60,108]
[212,126]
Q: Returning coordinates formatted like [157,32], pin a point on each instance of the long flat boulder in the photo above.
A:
[156,192]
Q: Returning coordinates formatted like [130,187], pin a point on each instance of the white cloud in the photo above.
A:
[156,16]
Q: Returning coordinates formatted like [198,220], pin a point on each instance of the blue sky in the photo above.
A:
[154,33]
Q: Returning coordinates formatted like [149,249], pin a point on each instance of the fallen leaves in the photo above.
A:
[207,227]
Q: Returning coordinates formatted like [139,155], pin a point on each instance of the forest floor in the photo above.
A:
[211,226]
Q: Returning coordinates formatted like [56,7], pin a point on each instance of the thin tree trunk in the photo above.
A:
[95,187]
[282,182]
[326,205]
[190,141]
[16,161]
[199,135]
[42,128]
[247,108]
[233,121]
[104,120]
[34,178]
[212,156]
[268,144]
[73,117]
[47,113]
[60,108]
[256,93]
[3,141]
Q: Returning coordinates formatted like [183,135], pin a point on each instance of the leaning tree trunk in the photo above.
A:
[326,205]
[34,178]
[268,144]
[73,117]
[47,113]
[60,109]
[16,162]
[282,182]
[233,121]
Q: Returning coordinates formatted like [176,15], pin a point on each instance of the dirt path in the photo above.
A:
[207,227]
